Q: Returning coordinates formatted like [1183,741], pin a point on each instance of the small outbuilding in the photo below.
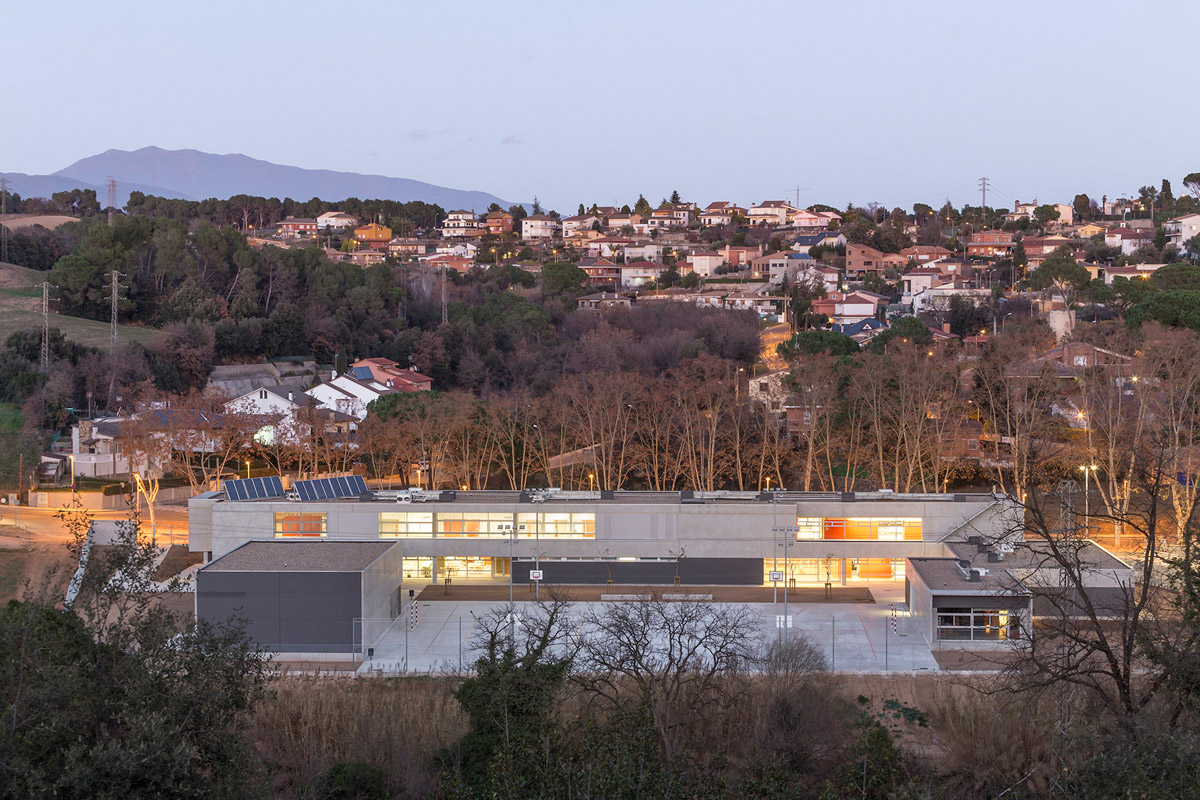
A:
[317,597]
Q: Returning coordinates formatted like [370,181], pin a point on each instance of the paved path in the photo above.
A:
[853,637]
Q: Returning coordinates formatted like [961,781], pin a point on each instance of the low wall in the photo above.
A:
[98,501]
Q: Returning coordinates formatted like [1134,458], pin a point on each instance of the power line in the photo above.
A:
[111,182]
[45,360]
[114,296]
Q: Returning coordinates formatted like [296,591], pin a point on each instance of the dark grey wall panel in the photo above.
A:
[694,571]
[286,611]
[1007,602]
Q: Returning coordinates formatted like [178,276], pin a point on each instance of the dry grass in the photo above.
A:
[16,222]
[398,724]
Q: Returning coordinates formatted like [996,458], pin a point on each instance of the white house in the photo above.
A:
[283,401]
[337,221]
[771,212]
[458,250]
[643,251]
[1180,229]
[349,395]
[1128,239]
[638,273]
[705,262]
[539,226]
[461,223]
[582,222]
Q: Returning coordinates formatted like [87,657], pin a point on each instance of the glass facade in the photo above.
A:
[401,524]
[899,529]
[290,524]
[485,525]
[977,624]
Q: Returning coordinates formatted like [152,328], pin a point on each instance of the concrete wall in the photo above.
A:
[639,530]
[696,571]
[288,612]
[920,603]
[99,501]
[381,594]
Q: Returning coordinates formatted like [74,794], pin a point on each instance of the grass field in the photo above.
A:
[10,418]
[20,309]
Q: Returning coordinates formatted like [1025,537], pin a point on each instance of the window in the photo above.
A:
[558,526]
[976,624]
[297,524]
[401,524]
[861,528]
[473,524]
[808,527]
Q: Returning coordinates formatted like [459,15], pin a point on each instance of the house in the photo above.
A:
[1131,272]
[297,228]
[665,218]
[643,251]
[498,223]
[457,249]
[601,300]
[808,219]
[1066,213]
[1089,229]
[938,296]
[722,213]
[461,223]
[600,271]
[922,253]
[391,374]
[762,304]
[705,262]
[539,226]
[845,308]
[918,280]
[441,261]
[1180,229]
[280,404]
[806,241]
[1044,245]
[580,222]
[862,331]
[336,221]
[365,258]
[373,236]
[771,212]
[741,255]
[1128,239]
[348,395]
[639,273]
[772,264]
[618,222]
[991,244]
[770,391]
[862,259]
[406,247]
[608,247]
[96,448]
[581,236]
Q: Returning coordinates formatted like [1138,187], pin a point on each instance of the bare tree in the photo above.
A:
[670,659]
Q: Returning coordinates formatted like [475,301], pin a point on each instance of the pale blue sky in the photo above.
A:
[598,101]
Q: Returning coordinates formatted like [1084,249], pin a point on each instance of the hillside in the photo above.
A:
[195,174]
[20,309]
[46,185]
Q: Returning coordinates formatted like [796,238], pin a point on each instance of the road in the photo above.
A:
[44,527]
[771,337]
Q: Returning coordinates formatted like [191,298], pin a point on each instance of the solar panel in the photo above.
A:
[362,373]
[254,488]
[331,488]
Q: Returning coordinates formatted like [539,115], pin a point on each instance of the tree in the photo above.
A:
[561,278]
[1061,272]
[1083,206]
[1045,214]
[817,342]
[675,198]
[1177,276]
[642,207]
[668,660]
[904,329]
[1192,183]
[115,697]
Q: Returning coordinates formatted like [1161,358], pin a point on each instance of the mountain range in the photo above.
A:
[195,175]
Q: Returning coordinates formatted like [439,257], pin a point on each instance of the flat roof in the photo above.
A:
[505,497]
[1035,555]
[945,575]
[291,556]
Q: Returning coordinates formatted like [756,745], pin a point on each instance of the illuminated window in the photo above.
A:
[401,524]
[295,524]
[977,624]
[860,528]
[558,526]
[808,527]
[474,524]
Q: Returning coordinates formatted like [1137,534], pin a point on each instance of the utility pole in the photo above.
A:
[3,219]
[983,207]
[111,183]
[445,312]
[115,295]
[45,360]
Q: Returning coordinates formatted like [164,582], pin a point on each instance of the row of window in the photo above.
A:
[425,525]
[977,624]
[498,525]
[859,528]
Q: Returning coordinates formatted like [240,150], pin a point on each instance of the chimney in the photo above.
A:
[291,396]
[945,327]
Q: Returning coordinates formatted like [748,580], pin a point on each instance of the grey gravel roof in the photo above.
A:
[292,556]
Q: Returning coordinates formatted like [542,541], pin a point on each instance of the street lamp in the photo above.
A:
[592,481]
[247,469]
[1087,468]
[786,542]
[537,498]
